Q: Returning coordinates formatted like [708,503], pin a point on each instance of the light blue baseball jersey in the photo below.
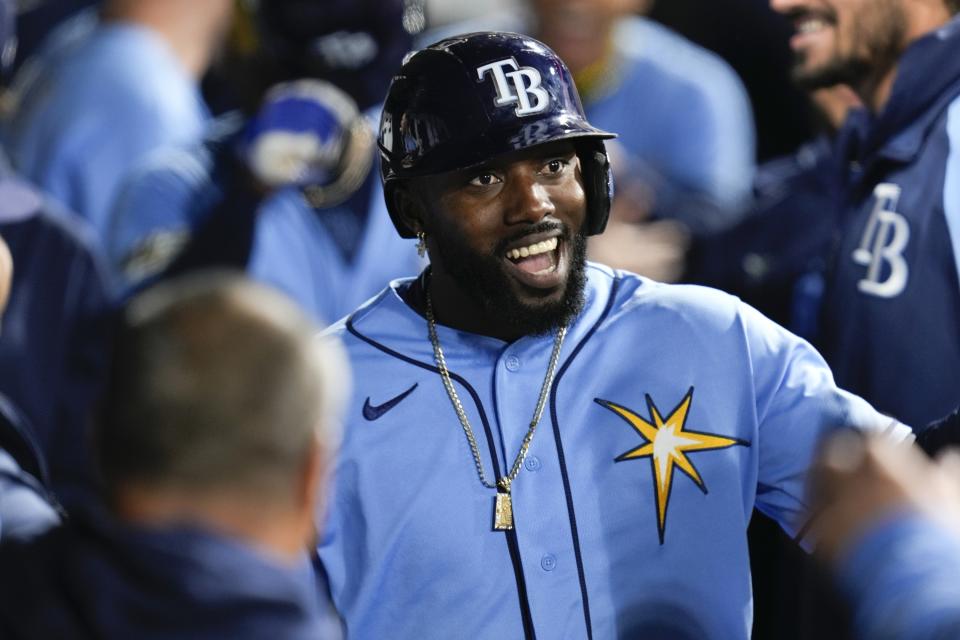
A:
[169,196]
[675,410]
[91,106]
[295,251]
[681,112]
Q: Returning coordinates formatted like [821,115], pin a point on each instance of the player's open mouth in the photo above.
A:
[811,25]
[536,261]
[807,25]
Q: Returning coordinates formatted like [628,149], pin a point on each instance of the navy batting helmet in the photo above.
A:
[464,100]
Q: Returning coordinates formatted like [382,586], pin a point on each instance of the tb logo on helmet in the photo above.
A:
[526,84]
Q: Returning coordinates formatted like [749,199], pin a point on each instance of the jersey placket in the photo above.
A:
[541,521]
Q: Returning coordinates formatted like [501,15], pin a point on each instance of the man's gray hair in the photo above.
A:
[218,383]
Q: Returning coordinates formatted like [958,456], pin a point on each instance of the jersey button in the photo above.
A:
[548,562]
[532,463]
[513,363]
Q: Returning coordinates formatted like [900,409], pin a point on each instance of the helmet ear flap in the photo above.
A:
[598,184]
[393,208]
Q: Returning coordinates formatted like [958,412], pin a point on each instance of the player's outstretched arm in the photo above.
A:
[889,527]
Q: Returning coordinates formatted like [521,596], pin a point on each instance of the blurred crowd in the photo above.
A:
[191,190]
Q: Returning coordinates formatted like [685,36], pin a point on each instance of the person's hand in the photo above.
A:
[859,481]
[309,134]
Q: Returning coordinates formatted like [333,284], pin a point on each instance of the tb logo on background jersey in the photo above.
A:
[516,85]
[881,247]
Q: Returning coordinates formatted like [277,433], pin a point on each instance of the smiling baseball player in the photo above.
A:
[538,446]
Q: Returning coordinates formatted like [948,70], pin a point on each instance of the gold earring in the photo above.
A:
[421,243]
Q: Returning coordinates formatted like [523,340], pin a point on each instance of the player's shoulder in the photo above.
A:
[385,309]
[667,55]
[174,178]
[634,300]
[192,164]
[23,204]
[162,169]
[641,37]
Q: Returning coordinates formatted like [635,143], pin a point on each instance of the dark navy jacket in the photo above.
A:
[775,255]
[55,332]
[97,578]
[27,507]
[891,313]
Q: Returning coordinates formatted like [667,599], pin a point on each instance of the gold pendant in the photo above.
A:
[503,512]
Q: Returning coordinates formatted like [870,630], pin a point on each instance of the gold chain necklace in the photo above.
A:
[503,507]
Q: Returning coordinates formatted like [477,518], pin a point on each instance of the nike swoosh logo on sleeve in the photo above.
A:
[374,412]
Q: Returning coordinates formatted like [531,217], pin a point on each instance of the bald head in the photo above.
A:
[219,385]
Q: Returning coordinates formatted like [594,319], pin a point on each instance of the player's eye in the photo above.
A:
[555,166]
[484,179]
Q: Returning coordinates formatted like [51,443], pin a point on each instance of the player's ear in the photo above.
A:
[408,203]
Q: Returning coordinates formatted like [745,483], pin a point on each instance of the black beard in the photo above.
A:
[882,34]
[837,71]
[484,279]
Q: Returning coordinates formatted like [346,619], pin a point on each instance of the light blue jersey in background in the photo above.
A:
[91,104]
[328,260]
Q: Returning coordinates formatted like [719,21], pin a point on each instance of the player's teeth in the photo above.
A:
[809,26]
[533,249]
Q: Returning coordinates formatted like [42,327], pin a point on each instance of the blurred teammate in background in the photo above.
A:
[26,506]
[55,333]
[327,240]
[889,316]
[774,257]
[36,19]
[94,102]
[888,522]
[214,446]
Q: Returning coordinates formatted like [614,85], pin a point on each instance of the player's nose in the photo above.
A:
[528,201]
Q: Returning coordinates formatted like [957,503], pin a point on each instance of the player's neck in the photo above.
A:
[271,526]
[875,92]
[923,19]
[457,309]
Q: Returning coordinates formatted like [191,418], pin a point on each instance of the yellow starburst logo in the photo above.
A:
[668,442]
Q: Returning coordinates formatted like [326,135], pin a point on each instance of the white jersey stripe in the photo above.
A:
[951,181]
